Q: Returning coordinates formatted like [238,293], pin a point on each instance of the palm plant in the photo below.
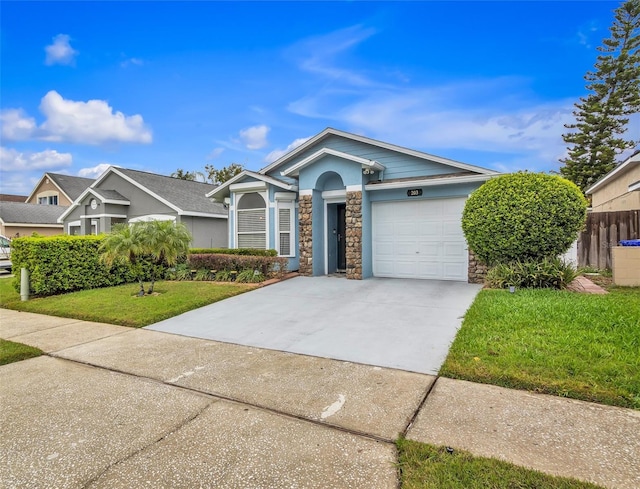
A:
[166,243]
[150,244]
[125,244]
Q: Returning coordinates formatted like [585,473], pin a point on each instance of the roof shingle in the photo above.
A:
[20,212]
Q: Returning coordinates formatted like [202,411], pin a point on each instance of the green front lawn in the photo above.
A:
[424,466]
[120,305]
[581,346]
[14,352]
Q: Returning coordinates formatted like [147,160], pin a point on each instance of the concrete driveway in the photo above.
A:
[397,323]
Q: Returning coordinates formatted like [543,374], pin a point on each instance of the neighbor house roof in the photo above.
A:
[185,197]
[619,170]
[12,198]
[21,213]
[69,185]
[329,131]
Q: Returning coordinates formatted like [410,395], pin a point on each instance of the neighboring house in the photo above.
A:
[12,198]
[618,190]
[58,189]
[346,203]
[122,195]
[614,214]
[22,219]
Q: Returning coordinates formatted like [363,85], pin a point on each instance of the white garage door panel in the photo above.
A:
[419,239]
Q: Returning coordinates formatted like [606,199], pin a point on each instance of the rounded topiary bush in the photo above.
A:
[523,216]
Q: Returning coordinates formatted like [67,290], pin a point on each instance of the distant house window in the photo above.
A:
[48,200]
[285,227]
[251,221]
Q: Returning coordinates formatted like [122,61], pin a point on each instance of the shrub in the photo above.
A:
[523,217]
[224,276]
[183,272]
[250,276]
[202,274]
[548,273]
[233,251]
[60,264]
[266,265]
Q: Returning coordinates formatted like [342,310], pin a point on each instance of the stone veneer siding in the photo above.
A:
[305,213]
[477,269]
[354,235]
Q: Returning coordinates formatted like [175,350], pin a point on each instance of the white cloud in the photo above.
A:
[215,153]
[60,52]
[16,125]
[278,153]
[254,137]
[527,128]
[132,61]
[91,122]
[319,55]
[12,160]
[94,172]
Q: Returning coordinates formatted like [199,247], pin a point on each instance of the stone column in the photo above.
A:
[354,235]
[305,216]
[477,269]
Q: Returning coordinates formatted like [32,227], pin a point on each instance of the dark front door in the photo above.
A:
[342,241]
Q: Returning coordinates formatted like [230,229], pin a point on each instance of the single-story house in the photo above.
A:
[341,202]
[58,189]
[122,195]
[618,190]
[22,219]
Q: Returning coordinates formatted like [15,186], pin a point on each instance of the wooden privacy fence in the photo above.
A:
[603,231]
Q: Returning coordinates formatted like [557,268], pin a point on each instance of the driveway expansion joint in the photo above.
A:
[420,406]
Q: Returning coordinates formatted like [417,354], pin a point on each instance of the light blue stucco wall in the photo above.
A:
[350,172]
[293,262]
[433,192]
[397,165]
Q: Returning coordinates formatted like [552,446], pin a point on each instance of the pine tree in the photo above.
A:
[602,117]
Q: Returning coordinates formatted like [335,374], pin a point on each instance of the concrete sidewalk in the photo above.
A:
[119,407]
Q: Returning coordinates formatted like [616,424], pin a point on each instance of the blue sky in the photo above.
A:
[158,86]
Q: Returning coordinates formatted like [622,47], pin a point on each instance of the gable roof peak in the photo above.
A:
[374,142]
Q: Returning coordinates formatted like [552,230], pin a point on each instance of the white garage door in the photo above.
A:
[420,239]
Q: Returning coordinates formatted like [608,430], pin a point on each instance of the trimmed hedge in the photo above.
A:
[233,251]
[266,265]
[523,216]
[59,264]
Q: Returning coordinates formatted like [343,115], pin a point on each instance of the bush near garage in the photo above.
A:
[59,264]
[548,273]
[523,217]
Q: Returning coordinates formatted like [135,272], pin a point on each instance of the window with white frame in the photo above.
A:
[251,221]
[48,200]
[285,228]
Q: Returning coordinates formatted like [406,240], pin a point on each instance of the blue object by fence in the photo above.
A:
[630,242]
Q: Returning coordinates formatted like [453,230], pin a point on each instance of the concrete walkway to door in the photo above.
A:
[397,323]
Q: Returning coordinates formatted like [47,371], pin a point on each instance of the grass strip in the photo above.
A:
[120,305]
[580,346]
[423,466]
[14,352]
